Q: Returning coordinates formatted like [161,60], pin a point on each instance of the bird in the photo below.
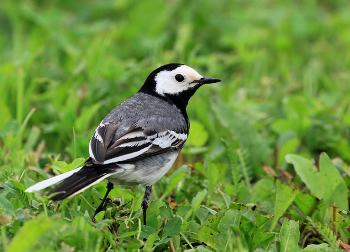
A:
[139,140]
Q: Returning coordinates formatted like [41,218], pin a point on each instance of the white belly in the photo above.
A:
[145,172]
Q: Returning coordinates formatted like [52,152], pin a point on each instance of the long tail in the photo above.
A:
[75,181]
[51,181]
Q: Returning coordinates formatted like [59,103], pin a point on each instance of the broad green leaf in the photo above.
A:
[208,231]
[316,248]
[75,164]
[307,172]
[6,204]
[305,202]
[99,216]
[59,165]
[20,186]
[336,192]
[150,241]
[231,218]
[155,206]
[289,235]
[260,220]
[172,227]
[30,233]
[284,197]
[225,233]
[198,135]
[146,231]
[197,200]
[238,206]
[255,237]
[166,212]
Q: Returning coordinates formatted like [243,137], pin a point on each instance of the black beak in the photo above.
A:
[205,80]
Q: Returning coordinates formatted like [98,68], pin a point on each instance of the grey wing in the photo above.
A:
[136,143]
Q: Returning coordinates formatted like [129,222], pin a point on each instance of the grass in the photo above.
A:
[251,175]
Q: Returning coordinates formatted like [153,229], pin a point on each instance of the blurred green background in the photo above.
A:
[285,89]
[284,67]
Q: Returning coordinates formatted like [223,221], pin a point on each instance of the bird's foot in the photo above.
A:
[101,207]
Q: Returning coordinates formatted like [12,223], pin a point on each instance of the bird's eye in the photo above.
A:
[179,78]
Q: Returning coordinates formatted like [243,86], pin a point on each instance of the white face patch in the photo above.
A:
[167,84]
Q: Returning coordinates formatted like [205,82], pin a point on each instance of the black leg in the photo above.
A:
[103,204]
[145,200]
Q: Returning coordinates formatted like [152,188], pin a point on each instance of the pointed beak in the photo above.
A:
[205,80]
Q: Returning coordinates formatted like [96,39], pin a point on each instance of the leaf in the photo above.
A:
[316,248]
[146,231]
[172,227]
[6,204]
[211,211]
[284,197]
[197,200]
[75,164]
[227,199]
[166,240]
[289,235]
[336,192]
[207,232]
[255,237]
[343,226]
[150,241]
[155,207]
[261,219]
[305,202]
[18,185]
[231,218]
[307,172]
[238,206]
[30,233]
[59,165]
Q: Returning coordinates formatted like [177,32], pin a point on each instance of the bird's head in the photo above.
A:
[176,82]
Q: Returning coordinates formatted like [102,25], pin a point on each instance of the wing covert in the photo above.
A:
[136,143]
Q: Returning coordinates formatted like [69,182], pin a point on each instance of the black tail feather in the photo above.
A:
[80,180]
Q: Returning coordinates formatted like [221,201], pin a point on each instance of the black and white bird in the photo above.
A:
[139,140]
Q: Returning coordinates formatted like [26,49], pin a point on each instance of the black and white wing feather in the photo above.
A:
[136,143]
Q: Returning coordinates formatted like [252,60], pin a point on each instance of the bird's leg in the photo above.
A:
[103,204]
[145,201]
